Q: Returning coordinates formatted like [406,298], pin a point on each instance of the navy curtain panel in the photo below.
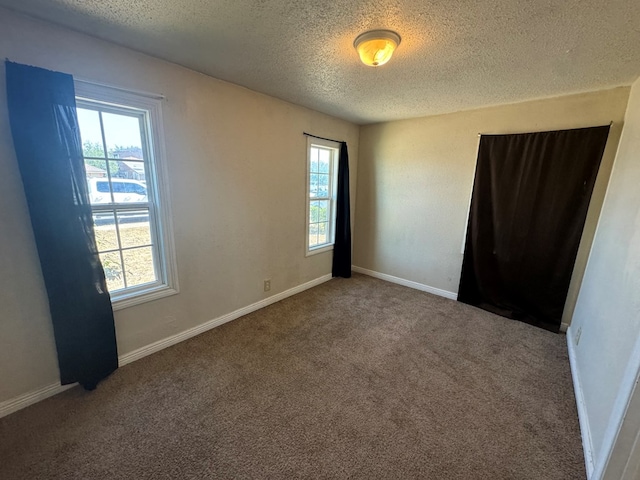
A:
[530,200]
[342,247]
[44,125]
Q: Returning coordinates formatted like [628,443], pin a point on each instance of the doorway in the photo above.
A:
[530,200]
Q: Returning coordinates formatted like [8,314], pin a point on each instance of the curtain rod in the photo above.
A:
[156,96]
[480,134]
[322,138]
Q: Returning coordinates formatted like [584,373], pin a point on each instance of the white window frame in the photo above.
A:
[333,185]
[149,107]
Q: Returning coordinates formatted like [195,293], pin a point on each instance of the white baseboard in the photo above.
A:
[585,430]
[406,283]
[13,405]
[18,403]
[564,327]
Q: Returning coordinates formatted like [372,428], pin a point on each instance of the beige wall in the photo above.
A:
[415,178]
[607,314]
[236,161]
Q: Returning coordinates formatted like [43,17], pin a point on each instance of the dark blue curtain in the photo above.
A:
[44,125]
[342,246]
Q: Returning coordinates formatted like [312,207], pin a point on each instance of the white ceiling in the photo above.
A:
[455,54]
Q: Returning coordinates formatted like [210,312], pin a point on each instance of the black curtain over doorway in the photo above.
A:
[530,200]
[44,124]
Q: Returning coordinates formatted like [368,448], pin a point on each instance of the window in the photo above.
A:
[322,167]
[126,181]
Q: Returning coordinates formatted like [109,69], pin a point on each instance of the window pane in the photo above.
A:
[323,185]
[323,211]
[105,228]
[122,134]
[95,168]
[97,181]
[323,233]
[314,209]
[313,159]
[139,266]
[112,270]
[323,161]
[313,185]
[129,169]
[90,133]
[313,235]
[134,227]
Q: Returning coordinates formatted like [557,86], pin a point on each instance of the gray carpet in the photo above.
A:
[356,378]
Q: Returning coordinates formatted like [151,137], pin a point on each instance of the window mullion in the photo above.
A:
[106,155]
[124,273]
[117,225]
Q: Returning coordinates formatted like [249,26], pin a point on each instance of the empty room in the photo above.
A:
[384,239]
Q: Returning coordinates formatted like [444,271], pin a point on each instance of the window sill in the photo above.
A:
[315,251]
[120,302]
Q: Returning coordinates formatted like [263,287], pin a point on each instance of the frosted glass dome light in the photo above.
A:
[376,47]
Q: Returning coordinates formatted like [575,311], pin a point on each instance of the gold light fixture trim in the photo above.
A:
[376,47]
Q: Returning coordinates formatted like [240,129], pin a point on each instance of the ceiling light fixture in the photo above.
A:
[376,47]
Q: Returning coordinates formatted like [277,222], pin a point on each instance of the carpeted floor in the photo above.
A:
[356,378]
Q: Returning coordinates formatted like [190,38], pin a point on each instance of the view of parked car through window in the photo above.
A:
[116,167]
[123,190]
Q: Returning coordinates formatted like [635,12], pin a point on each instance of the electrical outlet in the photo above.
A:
[577,335]
[267,285]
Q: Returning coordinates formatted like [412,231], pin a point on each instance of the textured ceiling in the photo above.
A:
[454,55]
